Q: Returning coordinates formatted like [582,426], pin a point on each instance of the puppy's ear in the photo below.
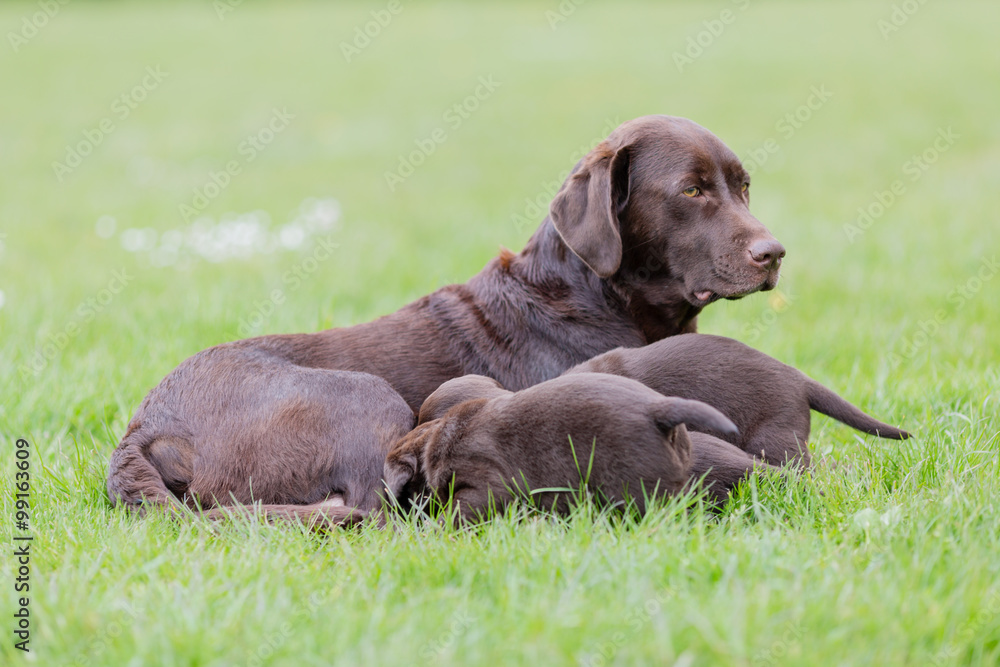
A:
[402,465]
[398,471]
[697,415]
[587,207]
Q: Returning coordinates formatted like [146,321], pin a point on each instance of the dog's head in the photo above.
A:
[661,210]
[403,471]
[428,458]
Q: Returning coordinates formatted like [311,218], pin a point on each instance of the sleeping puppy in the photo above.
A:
[715,465]
[614,436]
[292,442]
[768,400]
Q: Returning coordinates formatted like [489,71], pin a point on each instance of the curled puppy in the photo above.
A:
[292,442]
[620,439]
[769,401]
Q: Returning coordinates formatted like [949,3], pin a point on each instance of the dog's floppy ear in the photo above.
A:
[586,209]
[398,471]
[697,415]
[402,465]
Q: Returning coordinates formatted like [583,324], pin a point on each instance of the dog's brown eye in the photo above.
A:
[746,186]
[692,192]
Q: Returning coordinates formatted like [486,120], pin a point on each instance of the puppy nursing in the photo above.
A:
[617,425]
[483,445]
[301,423]
[769,401]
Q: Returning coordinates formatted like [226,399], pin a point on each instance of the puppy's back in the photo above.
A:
[615,429]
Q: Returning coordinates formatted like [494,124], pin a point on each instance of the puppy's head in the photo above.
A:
[429,456]
[458,390]
[403,472]
[662,208]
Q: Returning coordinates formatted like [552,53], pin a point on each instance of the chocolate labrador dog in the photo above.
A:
[769,401]
[650,227]
[617,438]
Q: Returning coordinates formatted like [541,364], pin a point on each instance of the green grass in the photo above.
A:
[887,554]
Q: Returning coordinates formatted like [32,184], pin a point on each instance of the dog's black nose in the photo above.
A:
[767,254]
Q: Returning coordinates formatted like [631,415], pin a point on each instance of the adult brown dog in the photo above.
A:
[651,226]
[614,436]
[769,401]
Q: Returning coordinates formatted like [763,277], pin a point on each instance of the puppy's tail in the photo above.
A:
[829,403]
[672,411]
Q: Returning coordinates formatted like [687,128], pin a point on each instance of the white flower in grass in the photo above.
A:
[292,236]
[131,240]
[105,226]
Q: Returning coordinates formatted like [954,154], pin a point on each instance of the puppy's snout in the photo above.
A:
[767,253]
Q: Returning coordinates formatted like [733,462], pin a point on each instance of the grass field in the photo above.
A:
[887,554]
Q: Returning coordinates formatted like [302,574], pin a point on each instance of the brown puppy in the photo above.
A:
[769,401]
[269,432]
[620,439]
[650,227]
[716,465]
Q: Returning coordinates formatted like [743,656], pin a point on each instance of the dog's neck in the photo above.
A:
[547,262]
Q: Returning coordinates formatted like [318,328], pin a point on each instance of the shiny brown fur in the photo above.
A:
[769,401]
[625,258]
[614,436]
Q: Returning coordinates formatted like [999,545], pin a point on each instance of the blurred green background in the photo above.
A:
[832,104]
